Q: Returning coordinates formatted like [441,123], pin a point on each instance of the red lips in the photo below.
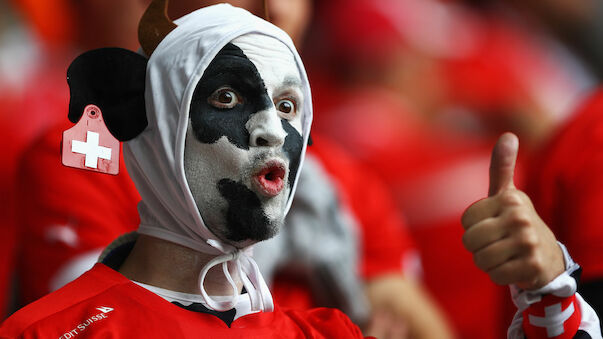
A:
[270,179]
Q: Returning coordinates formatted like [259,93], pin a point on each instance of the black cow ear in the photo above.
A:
[114,80]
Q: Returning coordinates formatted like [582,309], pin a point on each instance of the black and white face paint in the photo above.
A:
[244,142]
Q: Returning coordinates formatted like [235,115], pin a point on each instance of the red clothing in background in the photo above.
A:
[566,186]
[67,214]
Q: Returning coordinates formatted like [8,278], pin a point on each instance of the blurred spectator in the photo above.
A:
[21,68]
[34,93]
[566,186]
[577,24]
[417,89]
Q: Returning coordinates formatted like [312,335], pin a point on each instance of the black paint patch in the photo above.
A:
[245,216]
[582,335]
[229,68]
[292,148]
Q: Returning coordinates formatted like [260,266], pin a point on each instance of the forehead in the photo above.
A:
[273,60]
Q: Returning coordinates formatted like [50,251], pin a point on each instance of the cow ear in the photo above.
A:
[114,80]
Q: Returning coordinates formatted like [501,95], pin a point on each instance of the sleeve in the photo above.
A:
[555,310]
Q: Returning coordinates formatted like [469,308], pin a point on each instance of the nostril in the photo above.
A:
[261,142]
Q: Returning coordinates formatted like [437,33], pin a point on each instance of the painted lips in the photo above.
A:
[270,180]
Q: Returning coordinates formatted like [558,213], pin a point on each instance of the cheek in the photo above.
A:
[205,164]
[297,124]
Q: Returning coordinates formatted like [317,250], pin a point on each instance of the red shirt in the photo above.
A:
[103,303]
[566,186]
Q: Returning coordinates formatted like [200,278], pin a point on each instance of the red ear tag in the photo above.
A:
[89,145]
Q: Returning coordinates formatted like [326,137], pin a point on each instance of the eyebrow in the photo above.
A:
[291,81]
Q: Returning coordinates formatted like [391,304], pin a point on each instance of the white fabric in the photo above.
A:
[243,307]
[563,286]
[154,159]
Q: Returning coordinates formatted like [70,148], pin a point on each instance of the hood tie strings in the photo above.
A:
[249,272]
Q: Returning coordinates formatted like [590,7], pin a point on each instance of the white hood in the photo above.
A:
[155,159]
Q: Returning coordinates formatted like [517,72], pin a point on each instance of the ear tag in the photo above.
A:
[89,145]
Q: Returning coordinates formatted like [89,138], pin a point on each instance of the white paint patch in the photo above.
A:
[276,65]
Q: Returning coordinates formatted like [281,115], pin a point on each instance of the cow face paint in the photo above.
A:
[244,142]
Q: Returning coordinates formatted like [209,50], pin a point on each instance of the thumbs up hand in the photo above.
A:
[504,233]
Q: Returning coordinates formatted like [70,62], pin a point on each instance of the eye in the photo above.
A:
[287,108]
[224,98]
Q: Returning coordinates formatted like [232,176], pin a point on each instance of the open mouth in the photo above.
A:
[270,180]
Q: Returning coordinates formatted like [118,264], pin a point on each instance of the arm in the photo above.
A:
[401,306]
[515,247]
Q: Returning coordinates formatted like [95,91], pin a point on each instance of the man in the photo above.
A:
[70,233]
[228,119]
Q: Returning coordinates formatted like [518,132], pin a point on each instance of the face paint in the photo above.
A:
[244,141]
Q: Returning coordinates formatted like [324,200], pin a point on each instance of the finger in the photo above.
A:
[483,234]
[480,210]
[398,330]
[495,254]
[502,163]
[379,324]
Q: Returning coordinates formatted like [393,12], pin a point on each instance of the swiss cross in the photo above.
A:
[553,319]
[91,149]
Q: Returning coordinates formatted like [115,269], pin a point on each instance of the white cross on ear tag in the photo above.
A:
[89,145]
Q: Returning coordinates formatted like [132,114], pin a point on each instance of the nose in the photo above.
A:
[265,129]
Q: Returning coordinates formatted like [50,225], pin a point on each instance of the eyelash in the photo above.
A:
[214,98]
[286,115]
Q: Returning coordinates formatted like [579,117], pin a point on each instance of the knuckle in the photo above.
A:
[465,220]
[527,241]
[519,218]
[534,267]
[467,217]
[510,198]
[466,241]
[499,277]
[479,261]
[522,196]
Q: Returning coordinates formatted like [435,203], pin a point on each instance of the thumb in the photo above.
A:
[502,163]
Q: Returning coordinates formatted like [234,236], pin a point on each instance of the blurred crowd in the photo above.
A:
[409,95]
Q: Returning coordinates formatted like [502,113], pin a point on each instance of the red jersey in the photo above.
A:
[103,303]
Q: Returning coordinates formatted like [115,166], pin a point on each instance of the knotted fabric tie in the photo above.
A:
[249,272]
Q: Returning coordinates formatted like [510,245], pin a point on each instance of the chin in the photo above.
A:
[244,215]
[251,231]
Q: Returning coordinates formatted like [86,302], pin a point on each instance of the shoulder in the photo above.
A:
[64,305]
